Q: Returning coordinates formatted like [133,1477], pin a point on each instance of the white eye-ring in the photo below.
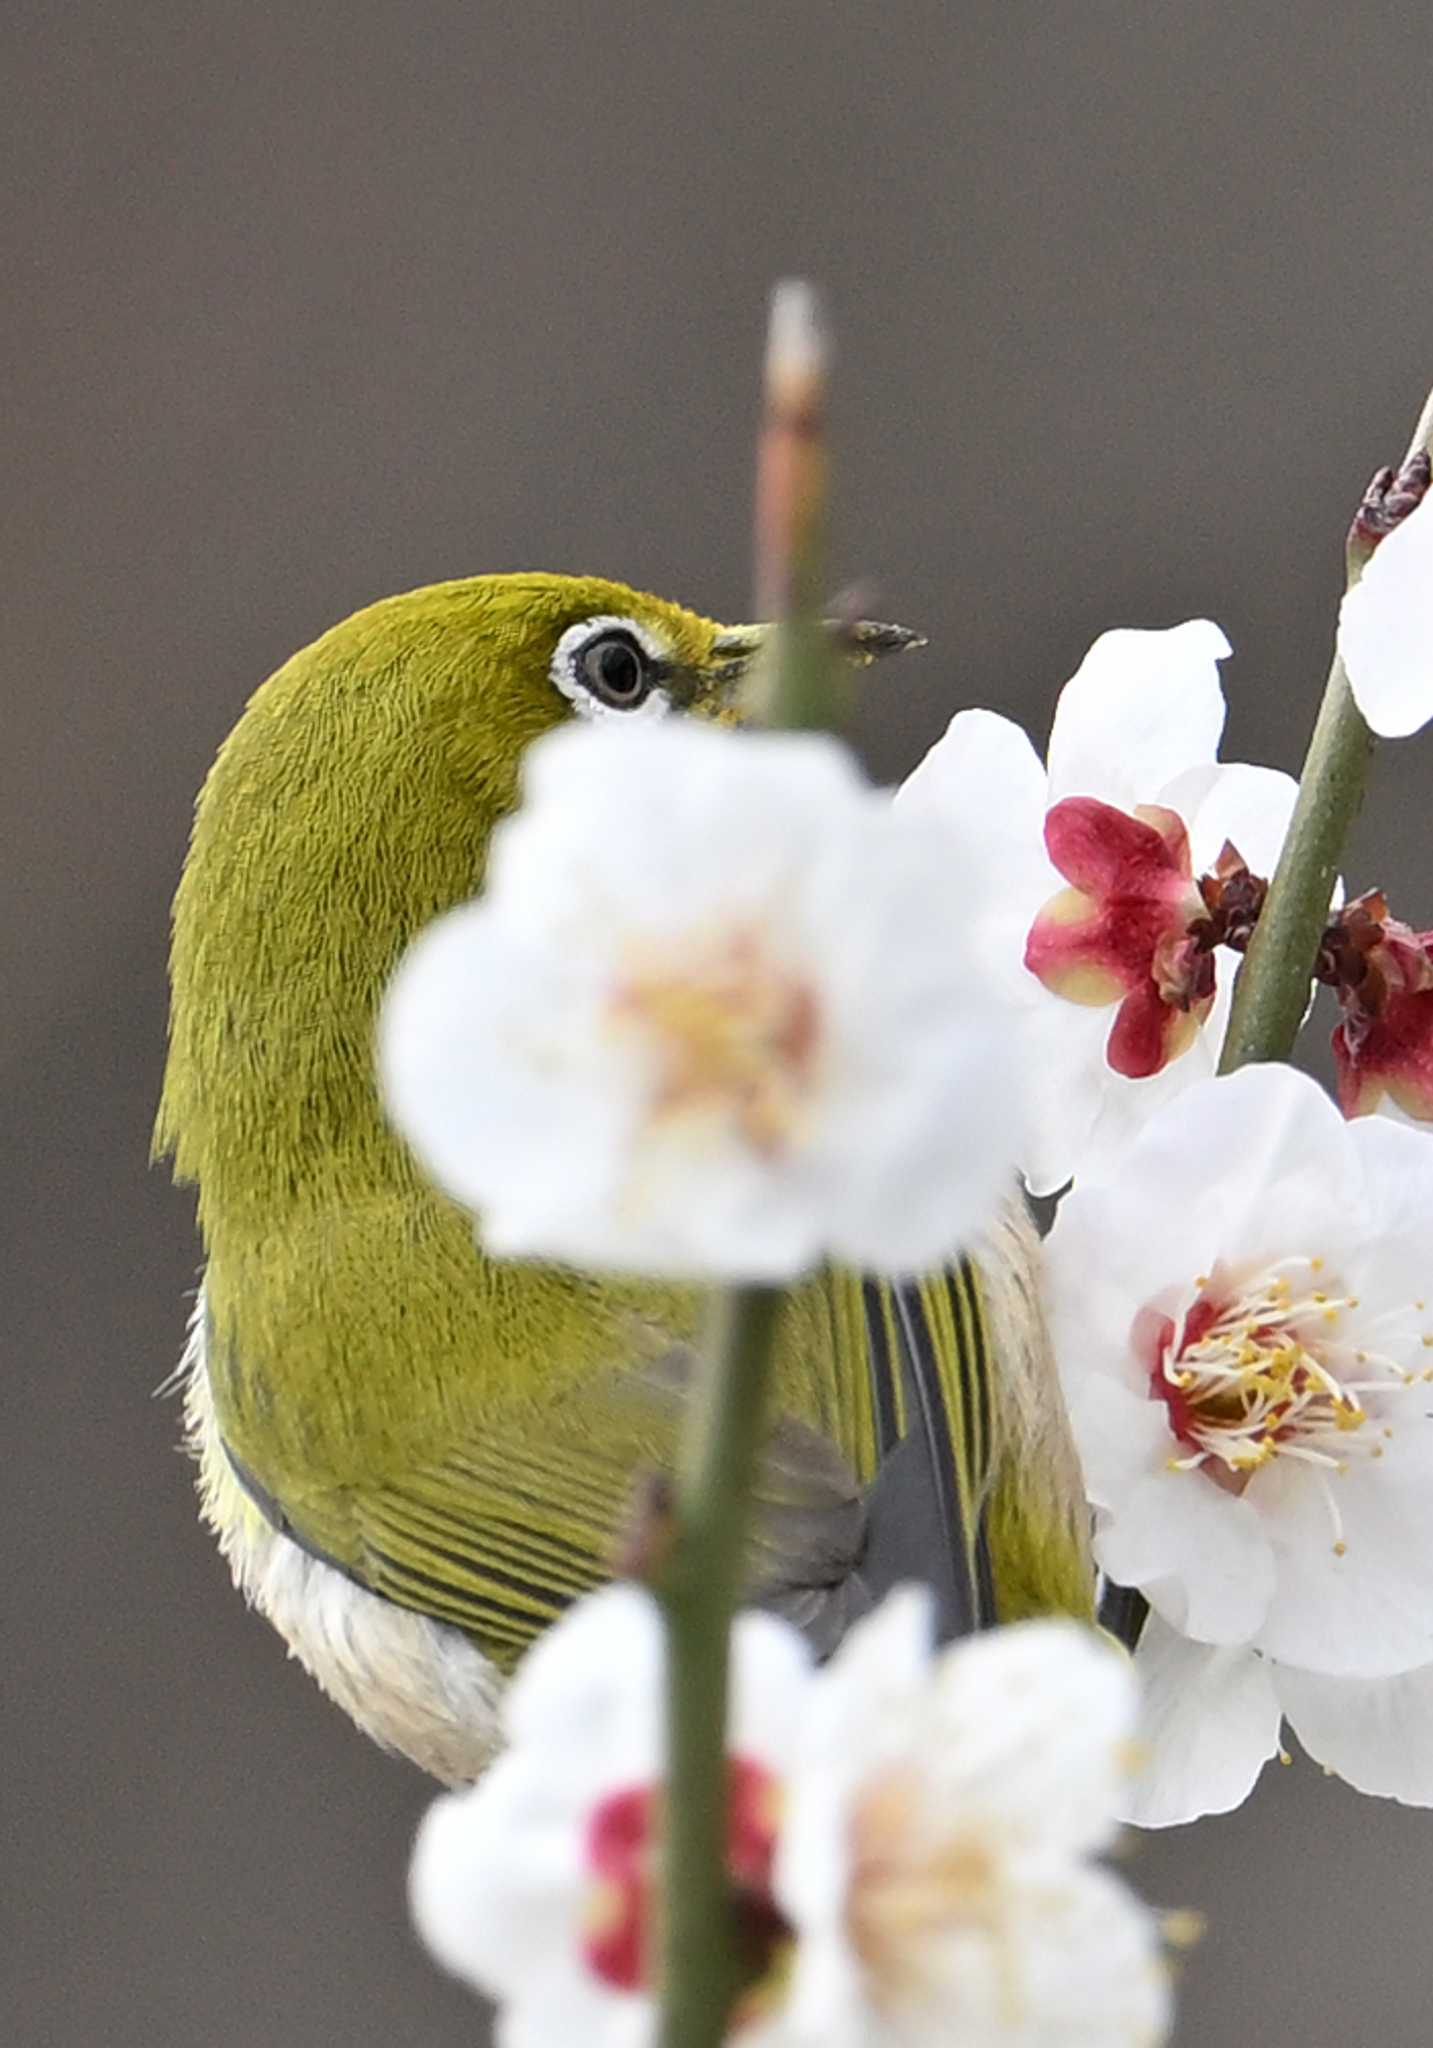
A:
[609,667]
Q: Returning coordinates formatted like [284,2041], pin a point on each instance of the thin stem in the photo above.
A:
[699,1592]
[1272,992]
[701,1581]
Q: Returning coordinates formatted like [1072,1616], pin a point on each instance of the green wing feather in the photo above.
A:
[511,1513]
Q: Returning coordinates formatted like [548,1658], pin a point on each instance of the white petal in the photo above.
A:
[1061,1046]
[828,2001]
[1209,1722]
[1391,1271]
[1122,1438]
[859,1714]
[476,1080]
[772,1672]
[1199,1555]
[1124,1107]
[1216,1024]
[592,1683]
[1249,807]
[1075,1963]
[1369,1611]
[1117,1250]
[983,780]
[1263,1152]
[561,2008]
[1093,1975]
[1385,631]
[1141,708]
[599,801]
[880,1667]
[1027,1738]
[497,1882]
[919,1064]
[1376,1733]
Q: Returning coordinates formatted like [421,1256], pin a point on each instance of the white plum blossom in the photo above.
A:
[1107,889]
[535,1885]
[1211,1718]
[1246,1349]
[711,1018]
[910,1840]
[1385,632]
[935,1865]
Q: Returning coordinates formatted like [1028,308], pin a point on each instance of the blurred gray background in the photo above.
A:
[308,304]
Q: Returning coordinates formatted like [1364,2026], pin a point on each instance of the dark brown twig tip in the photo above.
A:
[1391,495]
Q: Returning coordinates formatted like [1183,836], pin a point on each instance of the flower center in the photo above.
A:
[1245,1379]
[907,1889]
[733,1031]
[1273,1367]
[623,1849]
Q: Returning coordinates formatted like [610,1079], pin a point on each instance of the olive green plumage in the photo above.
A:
[460,1435]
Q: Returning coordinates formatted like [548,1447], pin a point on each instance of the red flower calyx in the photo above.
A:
[1135,929]
[1382,973]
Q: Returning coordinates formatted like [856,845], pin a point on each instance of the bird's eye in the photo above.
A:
[615,670]
[612,666]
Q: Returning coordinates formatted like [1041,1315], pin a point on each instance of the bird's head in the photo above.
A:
[354,801]
[469,673]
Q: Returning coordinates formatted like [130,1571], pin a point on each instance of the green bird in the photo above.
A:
[414,1455]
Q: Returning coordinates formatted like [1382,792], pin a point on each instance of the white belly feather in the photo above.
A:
[414,1685]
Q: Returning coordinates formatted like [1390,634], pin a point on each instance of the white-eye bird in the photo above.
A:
[413,1455]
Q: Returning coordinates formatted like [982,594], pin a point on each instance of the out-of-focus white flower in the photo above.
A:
[1107,887]
[909,1840]
[934,1862]
[1385,630]
[712,1017]
[1245,1345]
[1211,1719]
[536,1886]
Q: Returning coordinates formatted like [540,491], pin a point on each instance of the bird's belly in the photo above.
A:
[412,1684]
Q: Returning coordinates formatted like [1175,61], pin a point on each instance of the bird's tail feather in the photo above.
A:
[977,1490]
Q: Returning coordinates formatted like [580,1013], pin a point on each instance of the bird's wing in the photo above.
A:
[519,1515]
[522,1517]
[507,1530]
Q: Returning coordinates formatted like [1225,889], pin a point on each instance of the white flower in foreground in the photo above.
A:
[711,1017]
[934,1862]
[1107,891]
[1245,1346]
[1385,631]
[930,1879]
[536,1886]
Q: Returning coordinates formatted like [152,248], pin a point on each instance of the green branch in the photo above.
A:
[699,1590]
[1272,993]
[700,1582]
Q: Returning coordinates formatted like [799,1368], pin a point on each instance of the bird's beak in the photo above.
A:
[862,641]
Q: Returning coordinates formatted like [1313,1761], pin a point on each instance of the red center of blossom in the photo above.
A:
[1258,1370]
[623,1852]
[1134,928]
